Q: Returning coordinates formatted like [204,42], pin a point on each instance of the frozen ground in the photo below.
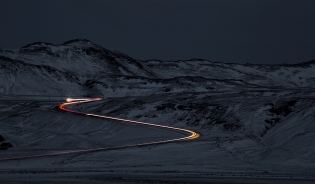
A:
[237,146]
[256,121]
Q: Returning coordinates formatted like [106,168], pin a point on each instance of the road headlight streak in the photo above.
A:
[70,101]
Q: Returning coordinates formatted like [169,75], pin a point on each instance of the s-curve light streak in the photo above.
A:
[70,101]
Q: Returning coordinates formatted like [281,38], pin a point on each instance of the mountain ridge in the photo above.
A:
[82,62]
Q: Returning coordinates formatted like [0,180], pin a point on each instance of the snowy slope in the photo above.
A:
[80,67]
[255,121]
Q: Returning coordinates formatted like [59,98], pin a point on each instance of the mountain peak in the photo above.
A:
[79,42]
[41,44]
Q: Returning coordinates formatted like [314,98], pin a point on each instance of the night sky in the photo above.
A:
[234,31]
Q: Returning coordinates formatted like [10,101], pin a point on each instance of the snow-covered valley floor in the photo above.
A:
[258,136]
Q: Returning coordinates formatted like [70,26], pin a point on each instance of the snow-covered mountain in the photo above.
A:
[254,120]
[80,67]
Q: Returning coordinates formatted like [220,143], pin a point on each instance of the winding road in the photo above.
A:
[70,101]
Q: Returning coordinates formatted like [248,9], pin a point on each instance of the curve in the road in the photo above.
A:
[70,101]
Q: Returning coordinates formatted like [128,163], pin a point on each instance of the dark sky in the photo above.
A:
[238,31]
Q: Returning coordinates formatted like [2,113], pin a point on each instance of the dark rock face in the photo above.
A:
[283,108]
[5,146]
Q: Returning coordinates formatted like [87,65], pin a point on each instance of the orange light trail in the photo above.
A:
[70,101]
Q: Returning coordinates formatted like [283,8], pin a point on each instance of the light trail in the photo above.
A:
[70,101]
